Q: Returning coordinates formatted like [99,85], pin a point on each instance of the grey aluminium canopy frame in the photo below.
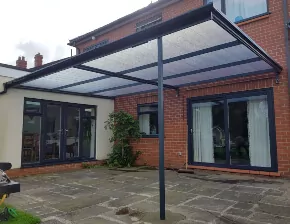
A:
[196,47]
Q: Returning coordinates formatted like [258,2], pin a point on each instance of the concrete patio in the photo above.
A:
[98,196]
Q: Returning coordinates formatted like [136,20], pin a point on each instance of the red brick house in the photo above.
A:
[224,108]
[266,26]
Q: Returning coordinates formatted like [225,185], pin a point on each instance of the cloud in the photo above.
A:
[30,48]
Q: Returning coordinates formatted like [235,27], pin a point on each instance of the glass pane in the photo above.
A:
[31,139]
[249,131]
[72,132]
[90,112]
[148,124]
[89,137]
[237,10]
[32,107]
[53,132]
[150,108]
[208,132]
[217,3]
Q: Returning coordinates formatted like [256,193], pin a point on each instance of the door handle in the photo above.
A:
[65,132]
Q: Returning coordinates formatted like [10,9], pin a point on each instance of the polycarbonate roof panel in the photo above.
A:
[12,73]
[148,73]
[202,36]
[130,90]
[220,57]
[63,78]
[197,46]
[98,85]
[128,58]
[224,72]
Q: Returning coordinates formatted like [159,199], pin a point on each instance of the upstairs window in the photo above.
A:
[147,23]
[238,10]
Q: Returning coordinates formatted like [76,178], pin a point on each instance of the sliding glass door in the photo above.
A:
[233,130]
[55,132]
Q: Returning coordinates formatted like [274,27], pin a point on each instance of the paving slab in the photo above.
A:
[146,206]
[79,203]
[154,218]
[130,218]
[248,221]
[196,214]
[248,189]
[205,191]
[267,218]
[51,198]
[273,209]
[52,222]
[239,212]
[97,220]
[41,210]
[244,206]
[84,213]
[275,192]
[190,222]
[121,202]
[276,200]
[141,189]
[239,196]
[225,219]
[93,196]
[210,204]
[174,197]
[184,187]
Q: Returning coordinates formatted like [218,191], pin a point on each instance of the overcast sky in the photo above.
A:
[45,26]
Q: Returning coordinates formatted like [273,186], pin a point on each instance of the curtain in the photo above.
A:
[258,127]
[202,133]
[237,10]
[144,123]
[93,138]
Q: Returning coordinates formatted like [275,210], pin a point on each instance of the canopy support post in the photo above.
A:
[161,129]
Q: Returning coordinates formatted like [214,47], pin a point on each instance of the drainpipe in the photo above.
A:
[286,35]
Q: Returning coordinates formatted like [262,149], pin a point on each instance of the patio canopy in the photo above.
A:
[199,46]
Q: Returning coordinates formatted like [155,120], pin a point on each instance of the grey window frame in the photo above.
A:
[223,9]
[139,113]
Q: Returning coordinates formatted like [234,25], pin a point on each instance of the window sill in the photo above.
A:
[149,136]
[253,19]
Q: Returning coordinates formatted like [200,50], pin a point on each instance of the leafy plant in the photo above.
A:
[125,129]
[116,159]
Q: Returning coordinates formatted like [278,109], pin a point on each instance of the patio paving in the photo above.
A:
[105,196]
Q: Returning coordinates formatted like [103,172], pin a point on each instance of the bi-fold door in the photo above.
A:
[55,132]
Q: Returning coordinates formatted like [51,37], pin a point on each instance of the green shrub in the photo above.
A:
[116,159]
[125,129]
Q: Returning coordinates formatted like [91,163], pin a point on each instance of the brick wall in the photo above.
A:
[269,34]
[48,169]
[130,28]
